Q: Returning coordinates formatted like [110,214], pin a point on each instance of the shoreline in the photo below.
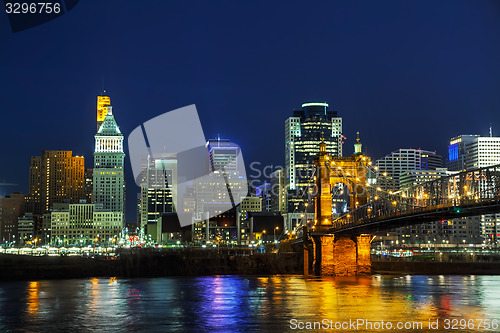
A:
[150,264]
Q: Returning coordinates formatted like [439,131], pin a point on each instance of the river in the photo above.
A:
[253,304]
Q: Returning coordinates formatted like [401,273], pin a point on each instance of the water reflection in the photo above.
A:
[32,300]
[239,303]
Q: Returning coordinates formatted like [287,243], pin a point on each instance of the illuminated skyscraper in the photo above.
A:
[158,188]
[303,133]
[457,152]
[403,160]
[102,103]
[222,155]
[469,152]
[108,183]
[55,177]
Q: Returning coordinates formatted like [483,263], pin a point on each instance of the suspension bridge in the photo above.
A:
[339,244]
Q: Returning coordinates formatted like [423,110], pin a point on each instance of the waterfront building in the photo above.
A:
[469,152]
[25,228]
[11,208]
[303,133]
[55,177]
[84,224]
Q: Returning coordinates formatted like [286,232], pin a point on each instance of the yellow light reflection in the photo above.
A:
[33,301]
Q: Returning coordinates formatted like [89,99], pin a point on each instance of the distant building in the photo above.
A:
[482,152]
[469,152]
[55,177]
[222,156]
[88,185]
[264,192]
[108,177]
[11,208]
[26,228]
[303,133]
[278,192]
[81,224]
[401,161]
[416,177]
[457,152]
[251,204]
[158,188]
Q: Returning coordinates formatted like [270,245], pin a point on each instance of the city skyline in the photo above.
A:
[430,74]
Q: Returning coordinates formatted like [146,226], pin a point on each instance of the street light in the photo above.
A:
[277,228]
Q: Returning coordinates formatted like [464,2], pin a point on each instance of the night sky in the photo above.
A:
[406,74]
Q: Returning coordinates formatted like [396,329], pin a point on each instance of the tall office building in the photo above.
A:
[469,152]
[206,198]
[407,167]
[88,184]
[222,155]
[303,133]
[55,177]
[457,152]
[482,152]
[11,208]
[401,161]
[278,192]
[158,188]
[108,182]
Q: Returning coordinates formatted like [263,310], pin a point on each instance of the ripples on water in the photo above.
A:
[240,303]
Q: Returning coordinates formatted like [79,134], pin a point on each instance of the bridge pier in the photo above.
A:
[334,255]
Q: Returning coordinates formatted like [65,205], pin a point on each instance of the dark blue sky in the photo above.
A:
[404,73]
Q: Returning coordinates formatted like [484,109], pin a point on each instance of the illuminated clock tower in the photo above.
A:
[102,103]
[109,158]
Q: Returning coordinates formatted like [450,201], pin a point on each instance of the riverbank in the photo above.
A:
[145,263]
[435,268]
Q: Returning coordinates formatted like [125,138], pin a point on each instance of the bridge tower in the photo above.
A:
[328,253]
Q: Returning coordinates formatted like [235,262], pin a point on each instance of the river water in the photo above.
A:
[249,303]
